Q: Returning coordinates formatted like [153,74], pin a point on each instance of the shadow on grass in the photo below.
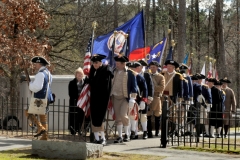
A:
[212,149]
[25,153]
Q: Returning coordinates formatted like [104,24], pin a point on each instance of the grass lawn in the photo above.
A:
[216,145]
[25,153]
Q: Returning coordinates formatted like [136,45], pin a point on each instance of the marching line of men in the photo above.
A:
[137,96]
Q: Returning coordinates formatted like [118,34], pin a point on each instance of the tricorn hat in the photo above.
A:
[193,77]
[154,63]
[39,59]
[121,58]
[172,62]
[98,57]
[212,80]
[133,64]
[219,83]
[183,66]
[143,62]
[200,76]
[225,80]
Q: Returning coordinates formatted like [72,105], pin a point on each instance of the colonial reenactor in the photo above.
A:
[189,96]
[124,92]
[141,97]
[174,90]
[155,107]
[40,87]
[100,81]
[191,115]
[150,88]
[230,104]
[187,93]
[206,93]
[216,114]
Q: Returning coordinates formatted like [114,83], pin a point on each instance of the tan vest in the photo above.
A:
[117,88]
[169,86]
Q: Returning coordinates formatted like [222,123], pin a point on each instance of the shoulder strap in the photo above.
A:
[169,81]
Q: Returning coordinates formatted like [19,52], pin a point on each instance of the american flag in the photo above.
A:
[210,70]
[84,97]
[111,110]
[133,113]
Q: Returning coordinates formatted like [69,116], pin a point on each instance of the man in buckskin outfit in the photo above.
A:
[230,104]
[41,86]
[174,90]
[155,107]
[124,92]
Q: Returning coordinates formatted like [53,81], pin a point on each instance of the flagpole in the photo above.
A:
[173,45]
[94,26]
[165,46]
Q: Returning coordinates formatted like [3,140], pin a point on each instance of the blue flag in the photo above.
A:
[170,54]
[134,28]
[185,61]
[157,51]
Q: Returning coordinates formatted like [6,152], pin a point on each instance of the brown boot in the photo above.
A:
[43,120]
[44,135]
[41,129]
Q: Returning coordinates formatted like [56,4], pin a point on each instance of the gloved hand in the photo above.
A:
[131,103]
[191,102]
[142,105]
[209,106]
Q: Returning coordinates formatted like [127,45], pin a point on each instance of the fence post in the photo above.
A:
[198,106]
[164,124]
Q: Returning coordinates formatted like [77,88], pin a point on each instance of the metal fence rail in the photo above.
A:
[176,127]
[176,120]
[14,123]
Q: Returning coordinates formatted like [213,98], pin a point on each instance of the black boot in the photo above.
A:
[145,135]
[157,125]
[149,127]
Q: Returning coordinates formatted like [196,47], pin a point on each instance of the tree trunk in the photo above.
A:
[115,13]
[216,30]
[154,27]
[13,93]
[147,20]
[198,43]
[237,58]
[191,28]
[138,6]
[222,55]
[181,30]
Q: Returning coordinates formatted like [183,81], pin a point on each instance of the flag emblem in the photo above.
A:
[119,41]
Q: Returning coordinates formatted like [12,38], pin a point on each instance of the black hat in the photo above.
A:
[172,62]
[39,59]
[212,80]
[225,80]
[143,62]
[193,77]
[183,66]
[121,58]
[219,83]
[98,57]
[200,76]
[154,63]
[133,64]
